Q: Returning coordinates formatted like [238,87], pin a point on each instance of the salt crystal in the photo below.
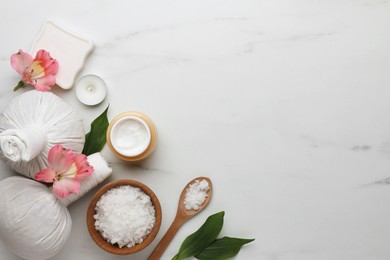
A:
[125,216]
[196,194]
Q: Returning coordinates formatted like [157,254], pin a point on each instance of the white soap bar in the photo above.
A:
[69,49]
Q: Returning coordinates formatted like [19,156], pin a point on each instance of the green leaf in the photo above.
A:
[223,248]
[20,85]
[202,238]
[96,139]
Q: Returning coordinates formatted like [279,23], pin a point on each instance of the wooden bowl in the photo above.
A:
[96,235]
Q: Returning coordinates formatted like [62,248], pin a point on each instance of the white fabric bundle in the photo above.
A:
[34,223]
[101,171]
[31,125]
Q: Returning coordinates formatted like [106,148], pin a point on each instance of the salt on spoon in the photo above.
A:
[191,201]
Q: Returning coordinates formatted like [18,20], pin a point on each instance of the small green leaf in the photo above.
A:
[203,237]
[223,248]
[96,138]
[20,85]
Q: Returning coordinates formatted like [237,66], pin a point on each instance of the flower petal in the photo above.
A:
[51,67]
[83,167]
[46,175]
[60,159]
[66,186]
[44,83]
[21,61]
[42,55]
[49,64]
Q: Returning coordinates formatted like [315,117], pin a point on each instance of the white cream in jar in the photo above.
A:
[130,136]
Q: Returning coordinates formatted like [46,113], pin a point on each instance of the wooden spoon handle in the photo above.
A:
[164,242]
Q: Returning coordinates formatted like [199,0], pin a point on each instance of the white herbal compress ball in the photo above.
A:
[34,223]
[24,205]
[31,125]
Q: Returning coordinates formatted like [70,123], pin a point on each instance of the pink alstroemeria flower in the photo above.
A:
[39,72]
[65,171]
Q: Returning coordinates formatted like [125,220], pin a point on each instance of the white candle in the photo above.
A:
[91,90]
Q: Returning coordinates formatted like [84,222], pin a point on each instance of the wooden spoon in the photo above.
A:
[182,215]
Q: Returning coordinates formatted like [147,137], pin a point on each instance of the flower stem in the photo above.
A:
[20,85]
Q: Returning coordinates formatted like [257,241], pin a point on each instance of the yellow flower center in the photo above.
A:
[37,71]
[71,173]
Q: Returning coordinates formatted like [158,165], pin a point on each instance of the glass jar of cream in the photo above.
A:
[132,136]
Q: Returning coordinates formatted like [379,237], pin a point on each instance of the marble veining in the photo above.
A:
[283,104]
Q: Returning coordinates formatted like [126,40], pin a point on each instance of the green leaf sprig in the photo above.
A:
[203,237]
[223,248]
[204,245]
[96,138]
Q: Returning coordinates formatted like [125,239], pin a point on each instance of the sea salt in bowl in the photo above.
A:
[97,235]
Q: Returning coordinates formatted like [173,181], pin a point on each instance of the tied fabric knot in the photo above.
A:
[22,144]
[31,124]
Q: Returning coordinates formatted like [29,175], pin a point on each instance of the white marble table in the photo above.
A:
[285,105]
